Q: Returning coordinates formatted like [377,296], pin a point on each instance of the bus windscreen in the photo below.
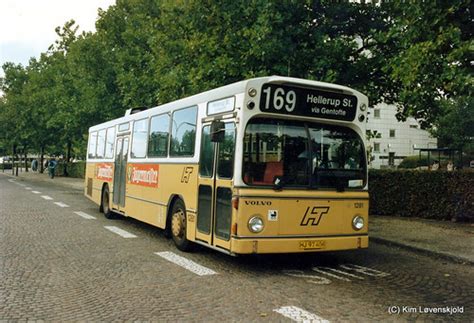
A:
[302,154]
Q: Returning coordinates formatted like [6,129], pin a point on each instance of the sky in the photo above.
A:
[27,26]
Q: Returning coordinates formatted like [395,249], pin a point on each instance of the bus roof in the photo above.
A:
[222,92]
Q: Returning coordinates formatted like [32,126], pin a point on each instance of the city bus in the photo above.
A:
[266,165]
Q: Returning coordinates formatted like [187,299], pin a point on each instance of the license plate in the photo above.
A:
[312,244]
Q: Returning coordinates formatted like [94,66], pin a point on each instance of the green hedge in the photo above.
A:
[438,195]
[414,162]
[77,170]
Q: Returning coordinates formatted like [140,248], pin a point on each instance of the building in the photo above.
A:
[393,140]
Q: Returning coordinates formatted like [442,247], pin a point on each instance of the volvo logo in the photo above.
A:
[255,203]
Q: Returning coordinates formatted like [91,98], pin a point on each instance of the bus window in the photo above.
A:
[109,142]
[207,153]
[140,132]
[92,144]
[183,132]
[159,134]
[303,154]
[225,167]
[124,127]
[101,144]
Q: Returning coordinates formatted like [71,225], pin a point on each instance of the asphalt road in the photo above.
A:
[60,259]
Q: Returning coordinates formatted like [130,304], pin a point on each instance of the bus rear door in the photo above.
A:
[120,173]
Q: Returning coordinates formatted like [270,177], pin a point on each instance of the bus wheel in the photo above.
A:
[105,203]
[178,226]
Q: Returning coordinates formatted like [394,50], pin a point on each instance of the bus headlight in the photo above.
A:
[255,224]
[358,222]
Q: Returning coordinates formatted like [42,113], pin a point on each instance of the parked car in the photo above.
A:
[5,163]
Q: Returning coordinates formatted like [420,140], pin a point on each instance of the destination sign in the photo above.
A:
[307,102]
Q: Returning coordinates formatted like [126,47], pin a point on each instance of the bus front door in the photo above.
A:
[120,173]
[214,214]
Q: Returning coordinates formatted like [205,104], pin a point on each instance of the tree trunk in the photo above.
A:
[26,162]
[13,159]
[41,160]
[68,152]
[68,156]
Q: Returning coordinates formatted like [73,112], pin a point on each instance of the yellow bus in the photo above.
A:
[266,165]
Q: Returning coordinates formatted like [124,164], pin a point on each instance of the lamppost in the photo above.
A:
[388,154]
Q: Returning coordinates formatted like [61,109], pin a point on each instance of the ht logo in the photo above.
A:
[314,215]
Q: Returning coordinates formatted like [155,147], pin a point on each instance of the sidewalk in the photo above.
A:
[74,183]
[453,241]
[449,240]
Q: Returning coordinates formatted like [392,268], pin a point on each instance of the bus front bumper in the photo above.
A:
[294,245]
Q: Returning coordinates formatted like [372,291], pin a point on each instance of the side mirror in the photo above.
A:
[217,131]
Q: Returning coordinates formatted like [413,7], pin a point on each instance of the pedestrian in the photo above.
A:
[450,166]
[34,165]
[52,167]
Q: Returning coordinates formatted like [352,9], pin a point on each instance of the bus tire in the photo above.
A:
[105,203]
[178,226]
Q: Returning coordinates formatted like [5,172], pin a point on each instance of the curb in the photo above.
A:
[427,252]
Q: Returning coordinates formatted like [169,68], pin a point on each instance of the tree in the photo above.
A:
[14,108]
[455,129]
[430,65]
[148,52]
[204,45]
[126,31]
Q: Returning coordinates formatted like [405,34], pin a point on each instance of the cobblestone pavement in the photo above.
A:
[57,263]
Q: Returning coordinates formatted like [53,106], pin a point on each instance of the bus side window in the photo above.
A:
[109,143]
[139,139]
[183,133]
[101,144]
[92,144]
[159,134]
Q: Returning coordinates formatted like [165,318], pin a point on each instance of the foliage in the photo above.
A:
[369,135]
[456,127]
[438,195]
[431,53]
[148,52]
[414,162]
[125,36]
[76,170]
[205,45]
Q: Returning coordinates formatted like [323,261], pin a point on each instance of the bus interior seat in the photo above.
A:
[270,170]
[273,169]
